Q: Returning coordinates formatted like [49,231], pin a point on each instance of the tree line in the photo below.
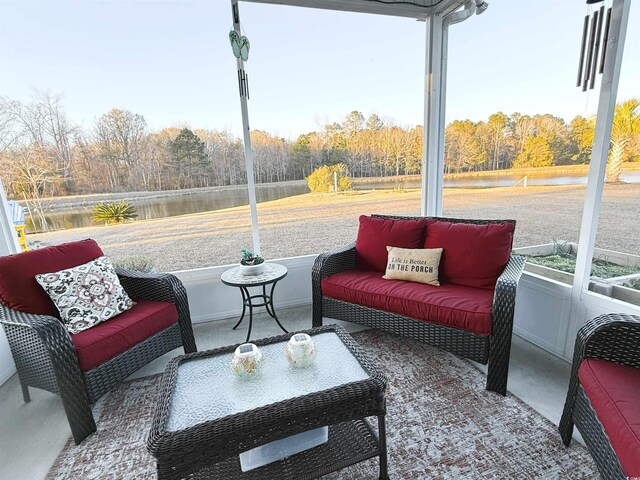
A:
[43,153]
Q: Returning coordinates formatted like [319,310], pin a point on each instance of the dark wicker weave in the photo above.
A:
[494,349]
[210,449]
[614,338]
[46,358]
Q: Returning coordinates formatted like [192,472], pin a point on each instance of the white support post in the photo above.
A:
[441,114]
[8,236]
[597,168]
[246,132]
[600,151]
[432,155]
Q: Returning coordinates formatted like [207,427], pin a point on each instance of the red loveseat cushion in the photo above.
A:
[473,255]
[456,306]
[18,287]
[614,393]
[374,234]
[118,334]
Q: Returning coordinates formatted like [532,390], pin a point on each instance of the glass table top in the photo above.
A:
[206,388]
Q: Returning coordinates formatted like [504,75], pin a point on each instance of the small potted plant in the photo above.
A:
[251,264]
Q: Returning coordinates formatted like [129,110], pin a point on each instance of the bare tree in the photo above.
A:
[41,124]
[31,171]
[120,136]
[56,130]
[8,134]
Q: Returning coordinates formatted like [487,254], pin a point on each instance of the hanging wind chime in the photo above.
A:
[240,46]
[590,50]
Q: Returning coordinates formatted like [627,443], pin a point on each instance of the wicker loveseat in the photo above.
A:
[84,366]
[470,314]
[603,399]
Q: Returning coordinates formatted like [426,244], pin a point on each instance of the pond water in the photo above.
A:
[490,181]
[211,200]
[172,205]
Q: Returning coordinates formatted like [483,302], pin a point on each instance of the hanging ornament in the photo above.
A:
[240,45]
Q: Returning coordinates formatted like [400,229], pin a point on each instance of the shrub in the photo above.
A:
[599,267]
[321,179]
[635,283]
[114,212]
[138,263]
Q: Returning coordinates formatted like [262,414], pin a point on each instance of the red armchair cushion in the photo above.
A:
[375,234]
[456,306]
[118,334]
[473,255]
[18,287]
[614,393]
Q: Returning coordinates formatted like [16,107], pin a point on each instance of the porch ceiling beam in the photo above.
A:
[418,9]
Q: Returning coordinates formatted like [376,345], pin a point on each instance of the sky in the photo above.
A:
[172,62]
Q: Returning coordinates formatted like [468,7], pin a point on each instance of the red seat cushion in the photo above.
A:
[473,255]
[18,287]
[452,305]
[375,234]
[118,334]
[614,392]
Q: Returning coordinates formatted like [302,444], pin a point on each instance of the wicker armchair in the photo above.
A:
[46,358]
[613,338]
[493,349]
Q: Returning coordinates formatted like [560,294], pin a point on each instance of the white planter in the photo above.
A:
[252,270]
[611,287]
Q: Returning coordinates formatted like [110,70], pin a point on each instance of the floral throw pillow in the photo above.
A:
[87,294]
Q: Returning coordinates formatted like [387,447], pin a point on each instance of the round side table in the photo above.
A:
[272,273]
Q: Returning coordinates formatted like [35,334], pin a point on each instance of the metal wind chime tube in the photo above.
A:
[596,48]
[592,34]
[590,51]
[583,45]
[243,83]
[605,40]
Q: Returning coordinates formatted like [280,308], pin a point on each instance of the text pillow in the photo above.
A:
[413,265]
[473,254]
[375,234]
[87,294]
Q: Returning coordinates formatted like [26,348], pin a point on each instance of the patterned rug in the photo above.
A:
[441,423]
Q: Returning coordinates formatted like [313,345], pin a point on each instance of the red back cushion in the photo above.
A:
[375,234]
[18,287]
[473,255]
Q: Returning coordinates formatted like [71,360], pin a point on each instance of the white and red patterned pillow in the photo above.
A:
[87,294]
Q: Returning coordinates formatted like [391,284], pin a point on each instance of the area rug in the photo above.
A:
[441,423]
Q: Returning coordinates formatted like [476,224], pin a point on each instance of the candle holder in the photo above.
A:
[246,361]
[300,350]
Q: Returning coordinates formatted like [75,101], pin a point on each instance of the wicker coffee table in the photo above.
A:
[206,416]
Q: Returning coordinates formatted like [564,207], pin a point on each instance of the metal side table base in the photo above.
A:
[273,272]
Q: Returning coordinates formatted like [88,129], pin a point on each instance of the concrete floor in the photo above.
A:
[32,435]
